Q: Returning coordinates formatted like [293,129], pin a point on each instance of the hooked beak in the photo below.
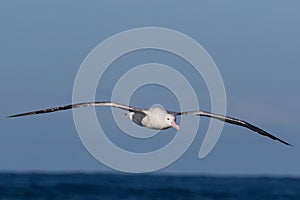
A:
[174,125]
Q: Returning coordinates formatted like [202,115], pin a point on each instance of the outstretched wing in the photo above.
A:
[232,120]
[79,105]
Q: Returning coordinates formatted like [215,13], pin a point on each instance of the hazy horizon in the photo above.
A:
[255,45]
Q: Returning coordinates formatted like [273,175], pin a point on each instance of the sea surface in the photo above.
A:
[120,186]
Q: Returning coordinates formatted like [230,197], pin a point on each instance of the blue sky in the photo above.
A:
[255,45]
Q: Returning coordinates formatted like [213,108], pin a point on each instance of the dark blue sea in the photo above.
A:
[120,186]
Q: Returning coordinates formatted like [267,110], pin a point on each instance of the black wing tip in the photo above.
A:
[19,115]
[278,139]
[286,143]
[12,116]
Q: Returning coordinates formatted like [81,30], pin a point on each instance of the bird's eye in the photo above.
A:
[168,118]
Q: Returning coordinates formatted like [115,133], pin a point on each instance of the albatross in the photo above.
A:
[156,117]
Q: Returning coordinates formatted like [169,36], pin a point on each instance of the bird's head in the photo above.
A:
[170,121]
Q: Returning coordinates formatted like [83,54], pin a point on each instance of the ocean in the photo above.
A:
[131,187]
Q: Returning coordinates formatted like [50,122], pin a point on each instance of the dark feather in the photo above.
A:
[78,105]
[235,121]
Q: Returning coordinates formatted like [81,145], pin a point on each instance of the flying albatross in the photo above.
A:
[156,117]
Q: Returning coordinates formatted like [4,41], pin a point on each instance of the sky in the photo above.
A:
[255,44]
